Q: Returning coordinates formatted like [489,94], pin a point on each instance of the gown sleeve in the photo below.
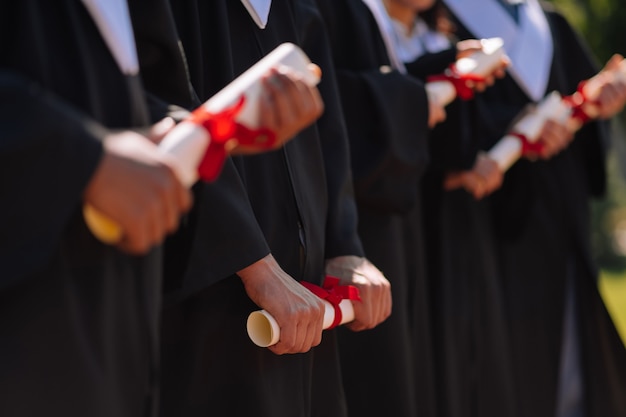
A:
[220,235]
[386,112]
[48,152]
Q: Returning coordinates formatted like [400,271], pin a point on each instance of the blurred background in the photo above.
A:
[602,23]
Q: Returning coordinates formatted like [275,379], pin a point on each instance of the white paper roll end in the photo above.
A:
[263,329]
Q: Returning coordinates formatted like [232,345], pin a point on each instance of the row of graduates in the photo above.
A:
[496,306]
[480,288]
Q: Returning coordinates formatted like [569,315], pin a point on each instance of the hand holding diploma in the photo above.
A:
[524,136]
[468,73]
[258,111]
[484,178]
[296,311]
[138,184]
[265,331]
[374,290]
[600,97]
[361,282]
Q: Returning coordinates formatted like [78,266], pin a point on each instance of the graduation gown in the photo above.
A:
[472,362]
[542,218]
[78,319]
[295,203]
[386,370]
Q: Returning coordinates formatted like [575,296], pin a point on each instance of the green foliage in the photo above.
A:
[601,22]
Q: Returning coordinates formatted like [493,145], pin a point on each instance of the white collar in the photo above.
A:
[113,21]
[421,40]
[259,11]
[528,44]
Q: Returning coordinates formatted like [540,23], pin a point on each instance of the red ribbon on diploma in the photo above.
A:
[334,293]
[528,147]
[461,82]
[226,133]
[577,100]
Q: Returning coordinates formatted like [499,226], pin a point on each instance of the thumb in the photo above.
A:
[453,181]
[159,130]
[614,62]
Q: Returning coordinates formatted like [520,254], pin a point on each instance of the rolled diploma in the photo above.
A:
[509,149]
[188,142]
[264,331]
[481,63]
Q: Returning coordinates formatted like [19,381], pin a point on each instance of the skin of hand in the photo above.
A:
[374,288]
[483,179]
[466,48]
[555,137]
[286,106]
[436,112]
[134,184]
[298,312]
[612,94]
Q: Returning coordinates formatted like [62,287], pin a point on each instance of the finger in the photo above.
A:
[478,190]
[183,198]
[311,327]
[297,93]
[309,337]
[453,181]
[385,303]
[375,300]
[614,62]
[315,70]
[360,312]
[270,117]
[288,334]
[383,311]
[291,105]
[156,222]
[159,130]
[135,240]
[318,328]
[388,303]
[312,97]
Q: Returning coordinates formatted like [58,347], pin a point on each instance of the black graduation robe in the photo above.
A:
[542,219]
[386,370]
[472,361]
[78,319]
[295,202]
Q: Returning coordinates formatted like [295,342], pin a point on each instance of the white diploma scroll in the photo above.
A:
[509,149]
[188,142]
[264,331]
[482,63]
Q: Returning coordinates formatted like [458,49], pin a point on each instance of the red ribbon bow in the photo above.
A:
[528,147]
[577,100]
[461,82]
[334,293]
[226,134]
